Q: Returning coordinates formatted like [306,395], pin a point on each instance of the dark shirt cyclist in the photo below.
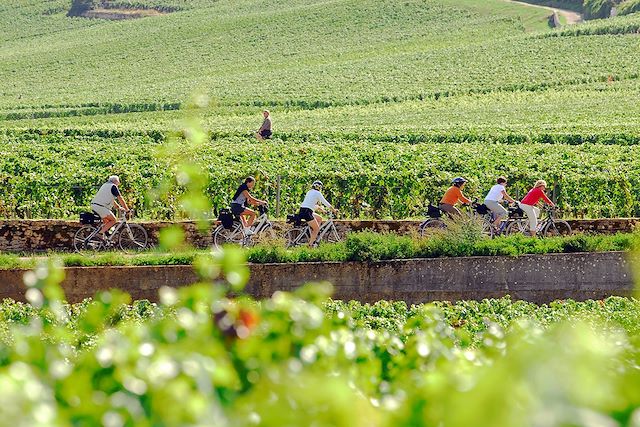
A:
[241,198]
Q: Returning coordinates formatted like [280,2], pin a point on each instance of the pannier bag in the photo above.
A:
[89,218]
[226,218]
[516,212]
[294,219]
[482,209]
[433,212]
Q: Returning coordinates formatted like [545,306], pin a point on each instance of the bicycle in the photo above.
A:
[130,236]
[436,221]
[549,226]
[300,234]
[514,214]
[231,230]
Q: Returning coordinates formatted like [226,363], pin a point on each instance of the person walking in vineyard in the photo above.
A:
[265,130]
[529,202]
[498,193]
[452,196]
[104,200]
[240,200]
[308,209]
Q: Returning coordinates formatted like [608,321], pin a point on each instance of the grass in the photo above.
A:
[363,246]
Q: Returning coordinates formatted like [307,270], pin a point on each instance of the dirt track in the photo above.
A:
[570,16]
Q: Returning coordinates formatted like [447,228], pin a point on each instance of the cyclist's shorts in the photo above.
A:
[306,214]
[101,210]
[237,209]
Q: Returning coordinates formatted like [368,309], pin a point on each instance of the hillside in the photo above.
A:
[358,74]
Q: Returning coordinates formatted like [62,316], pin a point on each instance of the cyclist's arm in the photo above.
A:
[464,199]
[122,204]
[322,200]
[506,196]
[115,191]
[547,200]
[252,199]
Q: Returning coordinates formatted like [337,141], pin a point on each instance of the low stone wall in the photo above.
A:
[535,278]
[44,235]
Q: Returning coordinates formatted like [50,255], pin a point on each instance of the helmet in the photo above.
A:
[459,180]
[316,184]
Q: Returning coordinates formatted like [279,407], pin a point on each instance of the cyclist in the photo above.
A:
[104,200]
[239,201]
[529,202]
[497,193]
[308,208]
[452,196]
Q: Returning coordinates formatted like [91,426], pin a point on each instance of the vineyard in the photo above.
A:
[55,175]
[113,363]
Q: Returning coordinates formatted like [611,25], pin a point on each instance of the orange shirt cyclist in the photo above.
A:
[453,196]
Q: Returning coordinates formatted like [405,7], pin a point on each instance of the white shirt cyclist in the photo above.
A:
[312,198]
[496,194]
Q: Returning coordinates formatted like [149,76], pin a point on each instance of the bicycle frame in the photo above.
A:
[325,228]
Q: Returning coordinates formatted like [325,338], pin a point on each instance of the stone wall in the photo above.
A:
[536,278]
[43,235]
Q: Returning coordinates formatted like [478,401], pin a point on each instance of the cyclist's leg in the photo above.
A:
[450,210]
[498,212]
[532,216]
[248,217]
[314,224]
[108,218]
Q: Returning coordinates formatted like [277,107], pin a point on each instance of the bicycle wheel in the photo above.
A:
[487,226]
[222,236]
[133,237]
[84,241]
[297,236]
[265,235]
[332,235]
[431,225]
[556,228]
[518,226]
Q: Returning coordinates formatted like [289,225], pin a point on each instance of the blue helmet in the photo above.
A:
[458,180]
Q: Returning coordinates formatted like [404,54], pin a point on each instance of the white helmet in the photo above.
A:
[316,184]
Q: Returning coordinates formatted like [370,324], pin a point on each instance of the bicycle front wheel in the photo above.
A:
[332,235]
[297,236]
[86,239]
[133,237]
[556,228]
[265,235]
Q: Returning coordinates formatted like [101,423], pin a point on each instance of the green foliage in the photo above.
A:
[50,176]
[300,359]
[628,7]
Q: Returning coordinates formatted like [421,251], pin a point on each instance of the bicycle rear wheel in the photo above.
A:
[222,236]
[518,226]
[297,236]
[84,241]
[133,237]
[431,225]
[556,228]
